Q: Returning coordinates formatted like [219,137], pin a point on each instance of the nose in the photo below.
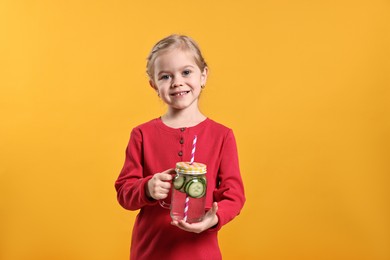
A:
[176,82]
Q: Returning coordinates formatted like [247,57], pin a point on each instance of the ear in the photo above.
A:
[151,83]
[204,75]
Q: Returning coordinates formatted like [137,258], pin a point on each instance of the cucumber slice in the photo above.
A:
[202,179]
[195,188]
[179,181]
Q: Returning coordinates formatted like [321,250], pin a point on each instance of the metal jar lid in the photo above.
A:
[188,168]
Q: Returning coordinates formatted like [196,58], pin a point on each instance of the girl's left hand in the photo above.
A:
[209,220]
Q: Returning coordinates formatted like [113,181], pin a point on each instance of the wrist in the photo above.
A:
[214,222]
[147,192]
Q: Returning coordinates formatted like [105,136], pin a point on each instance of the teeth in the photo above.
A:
[181,93]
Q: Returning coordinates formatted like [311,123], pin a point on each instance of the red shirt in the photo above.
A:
[155,147]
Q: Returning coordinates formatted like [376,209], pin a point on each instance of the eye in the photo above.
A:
[164,77]
[186,72]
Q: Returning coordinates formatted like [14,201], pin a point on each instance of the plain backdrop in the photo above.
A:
[303,84]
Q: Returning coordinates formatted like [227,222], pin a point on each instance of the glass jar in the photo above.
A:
[189,188]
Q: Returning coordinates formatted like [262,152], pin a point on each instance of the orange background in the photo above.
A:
[304,85]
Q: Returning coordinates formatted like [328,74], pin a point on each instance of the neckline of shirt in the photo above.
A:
[163,126]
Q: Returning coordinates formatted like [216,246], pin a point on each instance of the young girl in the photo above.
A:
[178,73]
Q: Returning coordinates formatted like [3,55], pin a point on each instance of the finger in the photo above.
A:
[165,176]
[180,225]
[169,172]
[160,185]
[163,191]
[214,208]
[161,196]
[157,191]
[175,223]
[165,185]
[194,227]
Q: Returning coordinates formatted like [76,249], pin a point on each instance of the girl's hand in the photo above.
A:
[159,185]
[209,220]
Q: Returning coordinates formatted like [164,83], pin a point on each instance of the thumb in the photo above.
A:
[169,171]
[214,208]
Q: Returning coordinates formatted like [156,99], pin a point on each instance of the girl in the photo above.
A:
[178,73]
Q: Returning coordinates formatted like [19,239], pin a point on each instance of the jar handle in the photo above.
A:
[164,204]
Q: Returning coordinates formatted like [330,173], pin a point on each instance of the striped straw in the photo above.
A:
[193,150]
[186,208]
[191,162]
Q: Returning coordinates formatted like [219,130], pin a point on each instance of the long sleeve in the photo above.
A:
[155,147]
[229,192]
[130,185]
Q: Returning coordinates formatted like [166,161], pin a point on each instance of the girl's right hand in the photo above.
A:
[159,185]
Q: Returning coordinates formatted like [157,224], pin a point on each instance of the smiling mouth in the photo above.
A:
[176,94]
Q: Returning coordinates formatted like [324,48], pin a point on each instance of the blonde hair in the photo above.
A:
[174,41]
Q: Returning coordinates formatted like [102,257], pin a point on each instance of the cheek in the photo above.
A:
[196,82]
[163,86]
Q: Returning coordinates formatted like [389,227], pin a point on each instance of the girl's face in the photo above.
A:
[178,79]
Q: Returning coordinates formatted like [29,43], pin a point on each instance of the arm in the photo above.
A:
[229,194]
[131,183]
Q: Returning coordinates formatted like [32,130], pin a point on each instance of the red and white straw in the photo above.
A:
[186,208]
[191,162]
[193,149]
